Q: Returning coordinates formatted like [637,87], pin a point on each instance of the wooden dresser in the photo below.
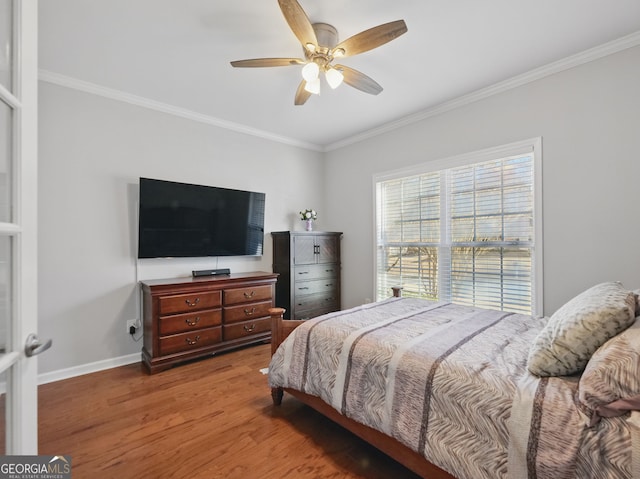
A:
[308,263]
[186,318]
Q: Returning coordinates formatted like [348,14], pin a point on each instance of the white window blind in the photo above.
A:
[464,234]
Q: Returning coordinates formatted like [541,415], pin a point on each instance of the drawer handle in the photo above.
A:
[330,284]
[328,271]
[303,272]
[303,288]
[249,295]
[192,304]
[192,323]
[249,329]
[191,342]
[249,312]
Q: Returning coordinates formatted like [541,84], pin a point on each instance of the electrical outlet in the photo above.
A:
[132,323]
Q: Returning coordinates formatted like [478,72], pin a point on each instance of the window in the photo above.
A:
[464,230]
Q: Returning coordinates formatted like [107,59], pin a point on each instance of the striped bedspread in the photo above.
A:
[450,382]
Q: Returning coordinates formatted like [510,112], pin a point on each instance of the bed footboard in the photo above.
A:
[280,329]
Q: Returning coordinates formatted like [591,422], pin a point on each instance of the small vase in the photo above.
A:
[309,225]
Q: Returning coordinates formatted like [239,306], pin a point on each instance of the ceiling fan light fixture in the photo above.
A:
[320,45]
[334,77]
[310,72]
[313,86]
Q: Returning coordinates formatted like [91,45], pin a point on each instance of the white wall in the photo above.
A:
[92,152]
[589,121]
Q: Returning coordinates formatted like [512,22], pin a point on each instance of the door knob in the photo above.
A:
[33,346]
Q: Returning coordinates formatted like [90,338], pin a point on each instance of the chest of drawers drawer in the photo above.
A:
[316,301]
[312,313]
[315,286]
[182,303]
[179,323]
[315,271]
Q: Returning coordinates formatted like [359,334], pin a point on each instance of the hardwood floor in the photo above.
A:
[208,419]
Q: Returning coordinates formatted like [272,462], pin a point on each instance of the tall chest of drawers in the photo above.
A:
[186,318]
[308,264]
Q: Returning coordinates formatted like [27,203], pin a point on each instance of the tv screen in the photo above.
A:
[185,220]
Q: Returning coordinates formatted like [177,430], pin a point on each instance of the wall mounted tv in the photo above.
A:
[185,220]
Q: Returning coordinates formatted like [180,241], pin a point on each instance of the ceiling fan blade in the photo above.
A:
[267,62]
[359,80]
[302,95]
[298,22]
[370,39]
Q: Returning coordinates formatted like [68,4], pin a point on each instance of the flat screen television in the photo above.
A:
[186,220]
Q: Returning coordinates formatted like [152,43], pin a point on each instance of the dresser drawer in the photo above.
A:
[244,312]
[185,342]
[246,328]
[179,323]
[248,294]
[182,303]
[315,286]
[315,271]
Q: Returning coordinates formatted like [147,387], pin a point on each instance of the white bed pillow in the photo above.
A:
[579,328]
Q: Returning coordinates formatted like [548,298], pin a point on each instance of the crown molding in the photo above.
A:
[94,89]
[567,63]
[615,46]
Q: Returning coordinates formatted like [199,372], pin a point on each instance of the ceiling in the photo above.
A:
[177,53]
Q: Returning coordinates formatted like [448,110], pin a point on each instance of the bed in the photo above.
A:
[458,392]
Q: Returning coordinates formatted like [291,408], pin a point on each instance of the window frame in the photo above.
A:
[532,146]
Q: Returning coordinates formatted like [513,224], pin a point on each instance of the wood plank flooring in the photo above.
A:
[211,419]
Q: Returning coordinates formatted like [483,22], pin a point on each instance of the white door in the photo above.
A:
[18,240]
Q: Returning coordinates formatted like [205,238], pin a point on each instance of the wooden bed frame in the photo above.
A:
[280,329]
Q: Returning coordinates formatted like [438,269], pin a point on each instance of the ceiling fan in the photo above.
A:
[320,45]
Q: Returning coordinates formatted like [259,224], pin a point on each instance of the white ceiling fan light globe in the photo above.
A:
[310,72]
[313,86]
[334,77]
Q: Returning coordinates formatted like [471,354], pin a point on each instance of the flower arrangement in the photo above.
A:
[308,214]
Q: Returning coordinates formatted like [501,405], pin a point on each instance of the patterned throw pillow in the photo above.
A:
[613,372]
[581,326]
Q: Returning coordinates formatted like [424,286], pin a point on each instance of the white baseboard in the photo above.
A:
[88,368]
